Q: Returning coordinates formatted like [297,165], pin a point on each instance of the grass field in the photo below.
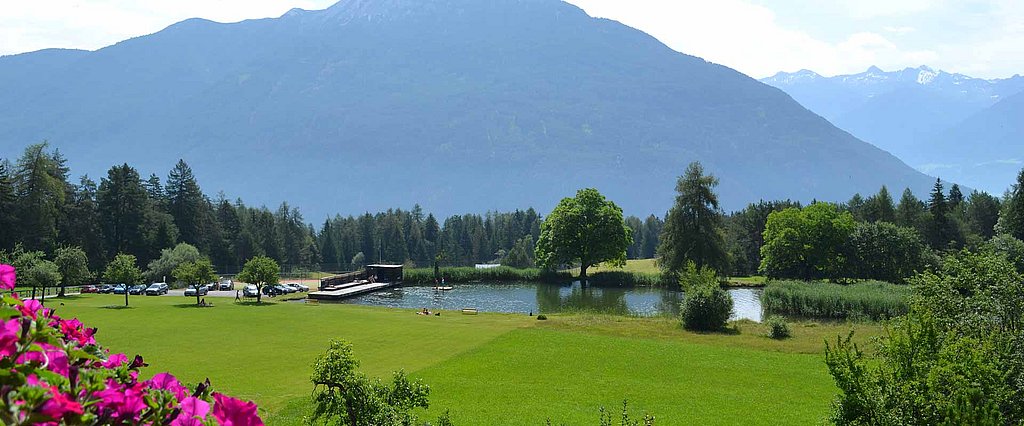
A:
[491,369]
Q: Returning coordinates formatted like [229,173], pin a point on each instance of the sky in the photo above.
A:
[982,38]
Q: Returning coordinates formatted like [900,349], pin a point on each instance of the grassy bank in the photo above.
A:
[872,300]
[487,369]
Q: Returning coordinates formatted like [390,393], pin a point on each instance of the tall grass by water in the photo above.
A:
[498,274]
[871,300]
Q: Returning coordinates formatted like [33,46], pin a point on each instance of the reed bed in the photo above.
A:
[869,300]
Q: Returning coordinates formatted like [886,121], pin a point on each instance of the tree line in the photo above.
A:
[42,211]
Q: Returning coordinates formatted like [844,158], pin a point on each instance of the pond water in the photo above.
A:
[551,298]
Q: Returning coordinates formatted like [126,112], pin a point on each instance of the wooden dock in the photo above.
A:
[348,290]
[352,284]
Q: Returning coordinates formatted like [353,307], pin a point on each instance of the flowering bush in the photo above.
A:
[52,372]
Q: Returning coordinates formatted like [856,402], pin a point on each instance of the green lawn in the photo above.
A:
[487,369]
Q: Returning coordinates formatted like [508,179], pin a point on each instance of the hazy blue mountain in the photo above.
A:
[987,149]
[914,113]
[459,105]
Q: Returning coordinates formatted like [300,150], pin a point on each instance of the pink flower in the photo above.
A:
[54,358]
[74,330]
[9,333]
[60,405]
[7,277]
[121,402]
[167,382]
[193,411]
[31,307]
[234,412]
[115,360]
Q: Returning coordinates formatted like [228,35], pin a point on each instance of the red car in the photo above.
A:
[90,289]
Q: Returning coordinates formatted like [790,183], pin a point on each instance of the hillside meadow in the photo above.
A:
[488,368]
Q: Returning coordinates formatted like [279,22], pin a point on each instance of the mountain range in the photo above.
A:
[458,105]
[955,126]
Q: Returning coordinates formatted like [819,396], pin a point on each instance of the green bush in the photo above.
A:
[542,317]
[705,307]
[873,300]
[778,328]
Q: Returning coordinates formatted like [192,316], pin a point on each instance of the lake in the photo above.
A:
[552,298]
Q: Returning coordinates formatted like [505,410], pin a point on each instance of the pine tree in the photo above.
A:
[694,229]
[879,207]
[329,248]
[856,207]
[1011,221]
[941,230]
[910,210]
[8,204]
[122,203]
[185,203]
[41,190]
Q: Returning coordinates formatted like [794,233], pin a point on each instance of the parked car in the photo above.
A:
[226,285]
[90,289]
[137,289]
[157,289]
[298,287]
[106,289]
[120,288]
[192,291]
[250,291]
[273,290]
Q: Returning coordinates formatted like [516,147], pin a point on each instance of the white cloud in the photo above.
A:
[867,9]
[904,30]
[749,38]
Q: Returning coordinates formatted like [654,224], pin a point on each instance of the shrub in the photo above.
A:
[705,307]
[55,373]
[778,328]
[344,396]
[542,317]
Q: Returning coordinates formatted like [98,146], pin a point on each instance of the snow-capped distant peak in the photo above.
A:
[926,75]
[790,78]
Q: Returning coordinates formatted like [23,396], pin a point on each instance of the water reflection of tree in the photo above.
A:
[582,299]
[669,303]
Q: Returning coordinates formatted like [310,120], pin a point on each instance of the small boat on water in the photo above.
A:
[443,288]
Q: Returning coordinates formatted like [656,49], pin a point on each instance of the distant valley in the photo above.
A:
[960,128]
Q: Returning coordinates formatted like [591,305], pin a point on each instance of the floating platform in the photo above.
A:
[347,291]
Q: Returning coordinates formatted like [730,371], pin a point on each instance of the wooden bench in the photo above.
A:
[468,311]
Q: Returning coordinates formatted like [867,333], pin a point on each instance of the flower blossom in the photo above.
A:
[7,277]
[234,412]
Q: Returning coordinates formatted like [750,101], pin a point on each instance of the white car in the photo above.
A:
[250,291]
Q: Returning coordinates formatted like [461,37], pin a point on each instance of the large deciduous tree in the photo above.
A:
[587,230]
[260,271]
[883,251]
[195,274]
[123,269]
[73,265]
[806,243]
[982,214]
[694,230]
